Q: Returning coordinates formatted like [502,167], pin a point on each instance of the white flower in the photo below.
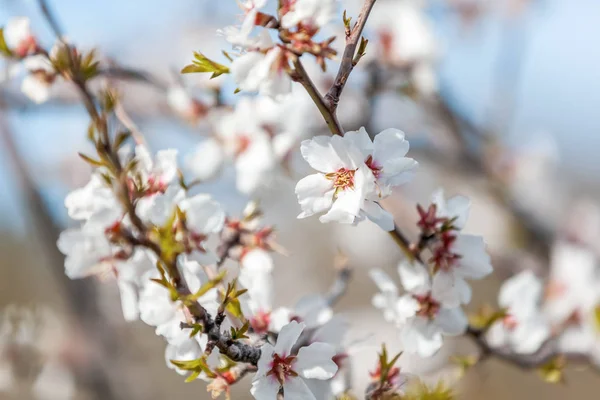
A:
[87,250]
[278,368]
[246,141]
[183,104]
[343,183]
[465,257]
[39,79]
[206,161]
[385,157]
[263,72]
[18,37]
[96,196]
[421,314]
[457,256]
[573,284]
[312,14]
[408,36]
[240,37]
[158,173]
[524,329]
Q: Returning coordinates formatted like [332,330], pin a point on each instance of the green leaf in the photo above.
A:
[240,333]
[346,20]
[552,372]
[597,317]
[201,64]
[91,161]
[486,316]
[207,286]
[120,139]
[3,47]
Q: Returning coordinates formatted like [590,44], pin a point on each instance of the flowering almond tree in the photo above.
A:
[142,222]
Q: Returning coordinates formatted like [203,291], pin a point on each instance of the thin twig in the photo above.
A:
[332,97]
[328,114]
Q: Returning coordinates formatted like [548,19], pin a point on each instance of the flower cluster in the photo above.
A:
[264,65]
[354,174]
[141,227]
[431,306]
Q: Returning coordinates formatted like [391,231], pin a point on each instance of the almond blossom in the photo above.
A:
[456,256]
[421,315]
[524,328]
[385,157]
[280,368]
[18,37]
[342,184]
[39,79]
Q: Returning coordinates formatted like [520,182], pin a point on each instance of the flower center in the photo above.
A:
[342,179]
[242,144]
[282,367]
[429,307]
[510,322]
[443,257]
[260,322]
[374,167]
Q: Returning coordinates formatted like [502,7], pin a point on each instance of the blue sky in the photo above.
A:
[558,89]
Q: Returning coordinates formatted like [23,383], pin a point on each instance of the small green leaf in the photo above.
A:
[552,372]
[91,161]
[120,139]
[202,64]
[597,317]
[346,22]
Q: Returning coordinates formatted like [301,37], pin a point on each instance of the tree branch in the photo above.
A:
[545,354]
[332,97]
[326,111]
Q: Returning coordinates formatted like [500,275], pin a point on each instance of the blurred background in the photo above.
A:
[504,113]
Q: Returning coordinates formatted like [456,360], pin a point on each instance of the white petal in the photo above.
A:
[321,155]
[129,300]
[414,277]
[288,337]
[450,290]
[407,307]
[204,215]
[361,140]
[315,361]
[378,215]
[452,321]
[265,388]
[458,207]
[296,389]
[264,362]
[475,262]
[315,194]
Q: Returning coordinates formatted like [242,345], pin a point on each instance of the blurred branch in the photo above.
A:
[546,353]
